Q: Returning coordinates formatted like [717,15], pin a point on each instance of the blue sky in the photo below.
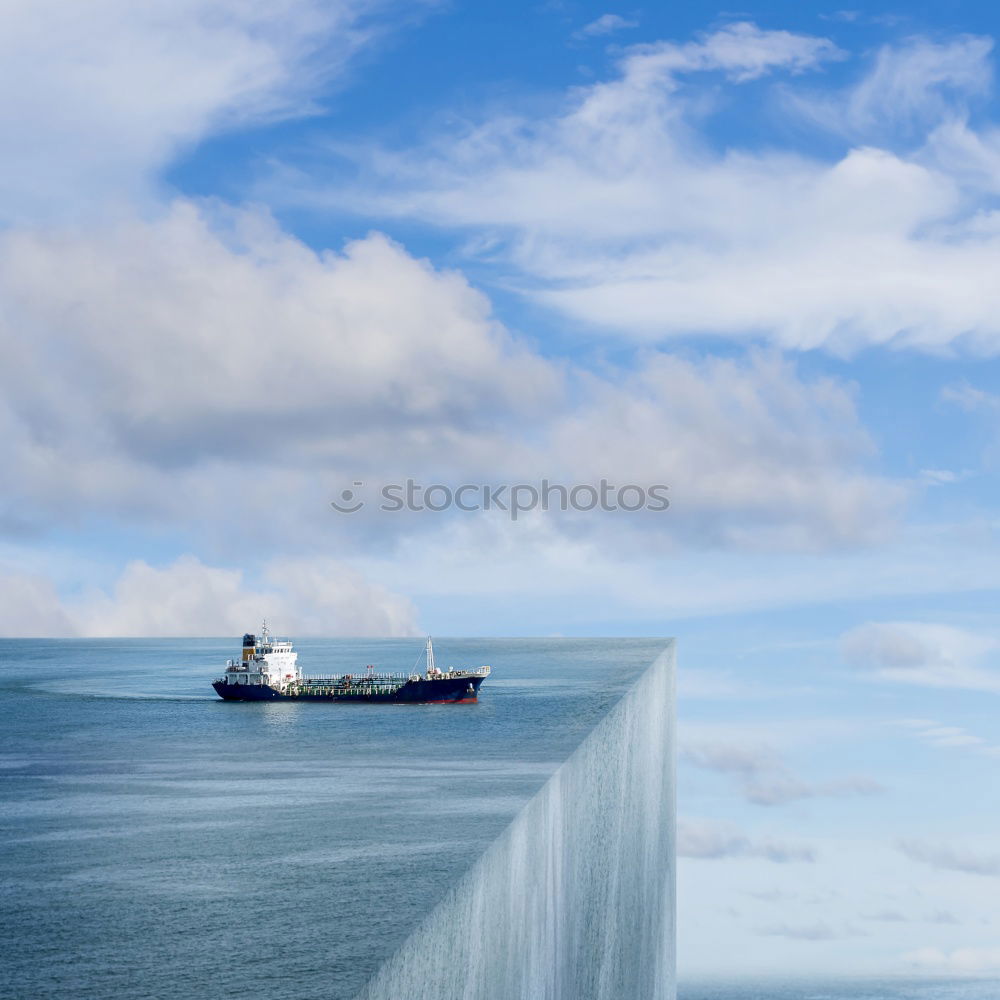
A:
[252,254]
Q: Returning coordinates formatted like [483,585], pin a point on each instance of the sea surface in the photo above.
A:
[161,843]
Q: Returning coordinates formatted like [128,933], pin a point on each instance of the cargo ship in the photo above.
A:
[268,670]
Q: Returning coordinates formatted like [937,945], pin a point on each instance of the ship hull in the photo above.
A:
[440,691]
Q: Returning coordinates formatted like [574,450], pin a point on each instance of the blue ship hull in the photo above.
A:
[440,691]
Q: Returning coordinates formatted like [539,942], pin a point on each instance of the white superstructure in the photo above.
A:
[265,661]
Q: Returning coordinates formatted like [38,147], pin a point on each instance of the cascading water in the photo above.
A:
[576,899]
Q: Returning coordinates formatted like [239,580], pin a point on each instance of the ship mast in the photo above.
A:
[430,655]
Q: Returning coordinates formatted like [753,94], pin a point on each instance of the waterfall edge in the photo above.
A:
[576,899]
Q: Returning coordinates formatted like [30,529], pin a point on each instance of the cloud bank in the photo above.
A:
[187,597]
[205,367]
[620,212]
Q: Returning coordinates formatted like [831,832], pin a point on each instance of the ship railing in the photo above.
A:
[360,690]
[327,680]
[359,679]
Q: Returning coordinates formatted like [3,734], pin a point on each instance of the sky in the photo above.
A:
[254,255]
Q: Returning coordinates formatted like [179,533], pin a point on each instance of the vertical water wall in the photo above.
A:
[576,899]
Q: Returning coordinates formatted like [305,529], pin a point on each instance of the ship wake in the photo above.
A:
[576,898]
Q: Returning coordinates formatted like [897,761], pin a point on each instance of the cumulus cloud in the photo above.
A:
[195,334]
[923,653]
[161,368]
[709,840]
[618,212]
[949,858]
[154,360]
[726,435]
[187,597]
[30,606]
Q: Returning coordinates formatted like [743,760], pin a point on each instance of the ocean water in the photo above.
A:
[161,843]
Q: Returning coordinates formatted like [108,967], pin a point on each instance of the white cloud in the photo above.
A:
[713,841]
[972,157]
[778,789]
[30,606]
[178,327]
[971,398]
[913,85]
[606,24]
[731,758]
[752,440]
[612,150]
[305,596]
[940,477]
[949,858]
[951,736]
[887,917]
[741,50]
[97,96]
[619,213]
[846,16]
[923,653]
[948,737]
[322,595]
[162,367]
[819,931]
[959,961]
[576,581]
[207,363]
[763,777]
